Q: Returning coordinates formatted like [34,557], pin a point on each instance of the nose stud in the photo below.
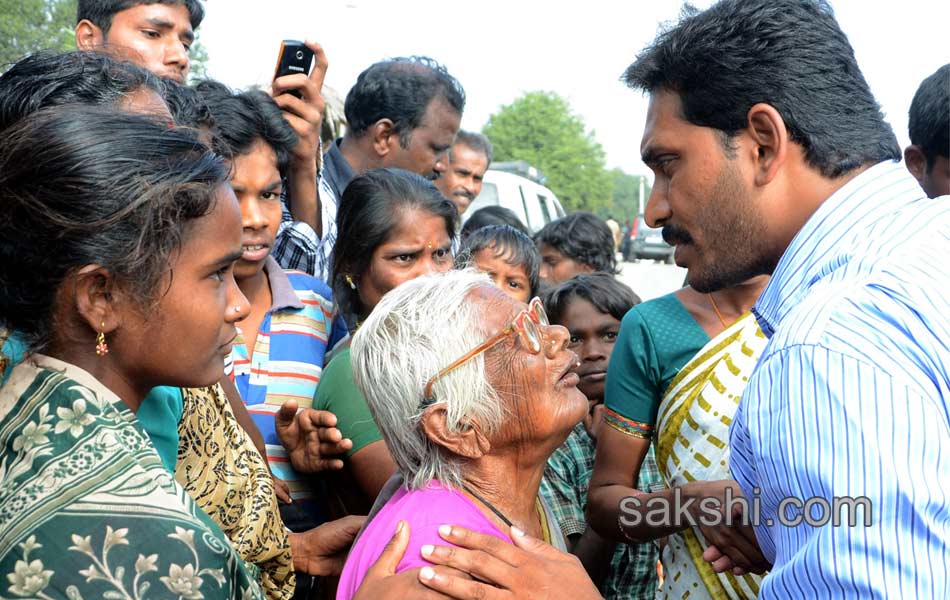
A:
[237,308]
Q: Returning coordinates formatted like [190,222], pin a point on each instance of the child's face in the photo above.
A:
[257,185]
[512,279]
[556,267]
[593,335]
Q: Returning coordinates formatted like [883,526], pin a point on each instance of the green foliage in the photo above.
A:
[626,203]
[27,26]
[197,61]
[540,128]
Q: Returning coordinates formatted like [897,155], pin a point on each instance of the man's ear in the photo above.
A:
[94,297]
[916,162]
[468,442]
[88,35]
[384,136]
[766,128]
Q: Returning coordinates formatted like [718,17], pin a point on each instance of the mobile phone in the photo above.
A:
[294,57]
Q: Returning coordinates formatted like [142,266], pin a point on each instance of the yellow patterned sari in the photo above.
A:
[693,445]
[222,470]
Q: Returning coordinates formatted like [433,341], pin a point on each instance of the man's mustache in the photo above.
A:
[674,235]
[464,194]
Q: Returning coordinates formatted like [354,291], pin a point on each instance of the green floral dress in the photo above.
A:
[87,510]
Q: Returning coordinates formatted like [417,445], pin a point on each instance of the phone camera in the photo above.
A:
[299,54]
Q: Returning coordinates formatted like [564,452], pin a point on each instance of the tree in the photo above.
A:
[197,61]
[27,26]
[626,203]
[540,128]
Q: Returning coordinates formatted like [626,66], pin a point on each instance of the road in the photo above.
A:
[650,279]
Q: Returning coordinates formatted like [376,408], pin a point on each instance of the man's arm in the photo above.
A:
[305,115]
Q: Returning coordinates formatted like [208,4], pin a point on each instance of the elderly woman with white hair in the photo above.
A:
[472,391]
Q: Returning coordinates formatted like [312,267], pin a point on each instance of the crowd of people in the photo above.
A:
[239,364]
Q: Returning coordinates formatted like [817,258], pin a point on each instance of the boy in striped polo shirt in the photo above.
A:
[281,346]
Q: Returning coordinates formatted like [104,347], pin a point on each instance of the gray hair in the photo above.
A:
[475,141]
[416,330]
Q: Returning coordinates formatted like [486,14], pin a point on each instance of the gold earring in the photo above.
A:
[349,281]
[102,348]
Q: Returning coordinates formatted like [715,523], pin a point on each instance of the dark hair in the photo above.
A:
[790,54]
[582,237]
[100,12]
[492,215]
[52,79]
[475,141]
[400,89]
[368,212]
[608,296]
[504,239]
[187,107]
[88,185]
[929,119]
[242,118]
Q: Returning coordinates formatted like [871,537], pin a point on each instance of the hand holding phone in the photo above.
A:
[300,100]
[294,57]
[297,91]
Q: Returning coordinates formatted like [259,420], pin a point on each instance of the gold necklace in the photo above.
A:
[716,308]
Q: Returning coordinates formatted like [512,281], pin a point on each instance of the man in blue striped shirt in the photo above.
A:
[772,156]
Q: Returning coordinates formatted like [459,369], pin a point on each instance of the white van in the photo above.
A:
[534,204]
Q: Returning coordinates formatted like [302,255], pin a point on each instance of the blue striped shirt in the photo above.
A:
[850,397]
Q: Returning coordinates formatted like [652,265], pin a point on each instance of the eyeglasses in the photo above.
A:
[526,324]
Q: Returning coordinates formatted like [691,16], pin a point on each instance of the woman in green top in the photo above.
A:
[657,340]
[393,226]
[119,233]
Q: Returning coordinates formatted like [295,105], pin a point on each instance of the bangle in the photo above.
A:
[623,532]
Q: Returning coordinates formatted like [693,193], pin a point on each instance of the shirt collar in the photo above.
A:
[828,238]
[336,170]
[282,292]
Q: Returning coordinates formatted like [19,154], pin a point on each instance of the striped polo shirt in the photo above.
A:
[288,358]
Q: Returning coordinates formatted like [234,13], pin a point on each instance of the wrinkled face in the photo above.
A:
[198,308]
[542,402]
[936,180]
[418,245]
[462,181]
[593,335]
[156,37]
[556,267]
[429,143]
[702,200]
[511,279]
[257,185]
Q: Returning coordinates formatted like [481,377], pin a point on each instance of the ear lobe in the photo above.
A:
[766,128]
[88,35]
[468,442]
[95,299]
[916,162]
[383,137]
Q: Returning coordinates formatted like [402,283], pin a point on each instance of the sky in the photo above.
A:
[500,49]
